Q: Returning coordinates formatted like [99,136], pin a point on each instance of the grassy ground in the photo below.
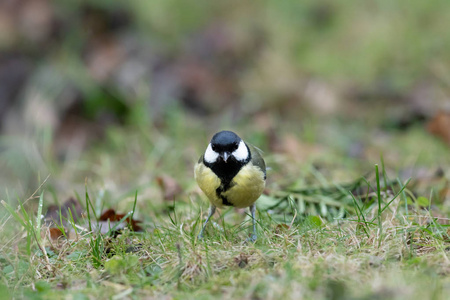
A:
[316,240]
[328,89]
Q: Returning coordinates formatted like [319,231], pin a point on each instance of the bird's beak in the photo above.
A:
[225,156]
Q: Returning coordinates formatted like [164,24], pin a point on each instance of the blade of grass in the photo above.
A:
[72,222]
[39,216]
[396,195]
[13,213]
[134,209]
[118,223]
[87,207]
[96,244]
[361,213]
[402,190]
[380,224]
[33,231]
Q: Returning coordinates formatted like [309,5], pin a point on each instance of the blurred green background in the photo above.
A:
[143,85]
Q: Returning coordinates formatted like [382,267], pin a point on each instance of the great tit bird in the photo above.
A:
[231,173]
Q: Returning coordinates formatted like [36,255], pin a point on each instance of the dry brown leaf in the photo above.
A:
[440,126]
[113,217]
[55,233]
[52,215]
[169,187]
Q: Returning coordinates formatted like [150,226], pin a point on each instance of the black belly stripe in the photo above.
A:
[219,192]
[225,201]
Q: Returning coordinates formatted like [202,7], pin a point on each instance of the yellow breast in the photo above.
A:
[246,186]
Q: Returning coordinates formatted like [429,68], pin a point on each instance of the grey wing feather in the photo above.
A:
[257,159]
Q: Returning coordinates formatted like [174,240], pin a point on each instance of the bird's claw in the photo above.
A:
[252,238]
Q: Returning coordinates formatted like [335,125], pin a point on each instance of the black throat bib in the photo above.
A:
[226,170]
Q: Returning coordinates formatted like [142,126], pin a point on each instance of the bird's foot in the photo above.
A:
[252,238]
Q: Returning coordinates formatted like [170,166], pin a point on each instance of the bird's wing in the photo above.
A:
[257,159]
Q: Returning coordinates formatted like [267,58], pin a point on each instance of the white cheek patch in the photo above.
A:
[241,153]
[210,155]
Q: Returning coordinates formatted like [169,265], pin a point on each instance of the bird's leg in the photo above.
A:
[212,210]
[252,212]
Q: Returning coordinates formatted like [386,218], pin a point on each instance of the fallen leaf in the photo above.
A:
[52,215]
[55,233]
[440,126]
[169,187]
[111,215]
[109,219]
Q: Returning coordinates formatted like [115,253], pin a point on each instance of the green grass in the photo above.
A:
[316,260]
[331,225]
[319,236]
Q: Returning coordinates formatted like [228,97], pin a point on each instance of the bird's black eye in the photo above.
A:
[213,147]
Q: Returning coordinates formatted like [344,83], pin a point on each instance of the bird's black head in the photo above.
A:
[226,154]
[225,141]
